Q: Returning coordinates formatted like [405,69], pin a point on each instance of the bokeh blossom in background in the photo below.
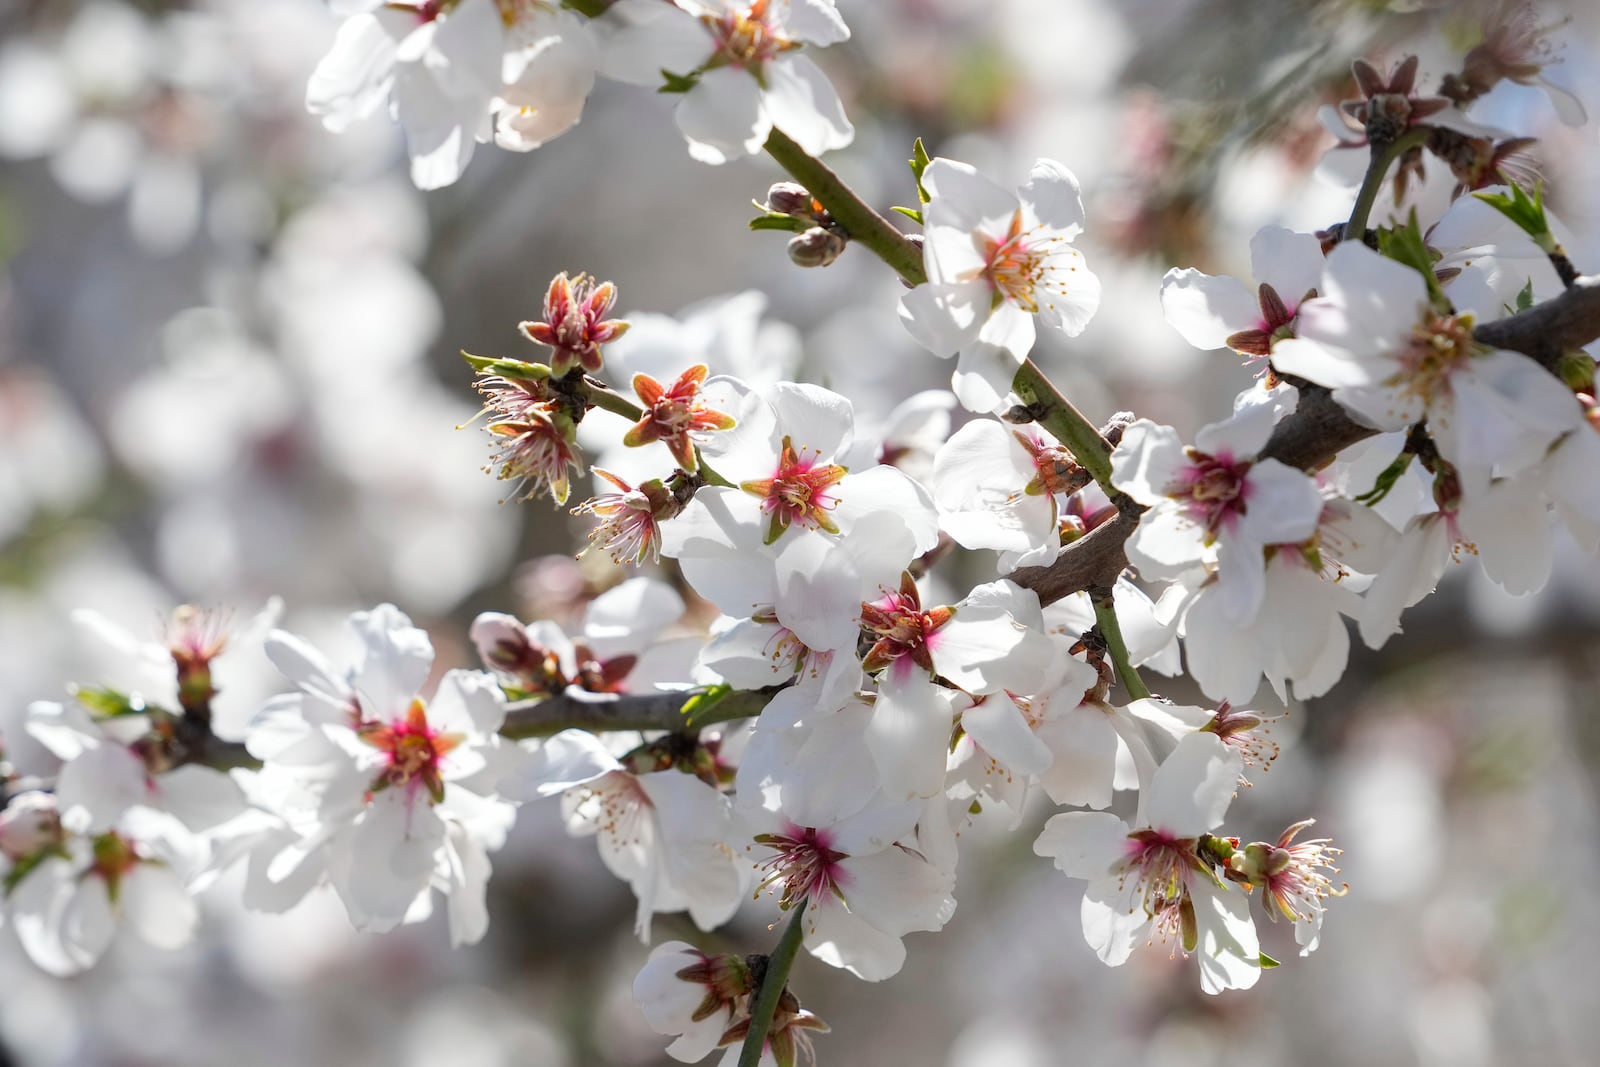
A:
[283,590]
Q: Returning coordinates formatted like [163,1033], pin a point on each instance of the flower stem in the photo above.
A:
[1377,169]
[601,397]
[772,986]
[883,239]
[1105,617]
[863,224]
[1056,413]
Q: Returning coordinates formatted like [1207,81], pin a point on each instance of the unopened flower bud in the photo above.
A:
[29,823]
[816,247]
[790,198]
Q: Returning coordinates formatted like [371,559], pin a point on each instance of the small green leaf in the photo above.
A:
[1525,296]
[107,703]
[1404,244]
[697,707]
[1386,480]
[678,83]
[919,162]
[507,368]
[1526,213]
[1267,962]
[909,212]
[787,223]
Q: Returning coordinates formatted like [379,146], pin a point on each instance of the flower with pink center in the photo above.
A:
[67,896]
[996,487]
[381,792]
[575,326]
[1217,312]
[1393,359]
[1158,879]
[989,642]
[677,415]
[827,840]
[740,66]
[996,261]
[760,651]
[1213,505]
[664,832]
[800,491]
[629,530]
[1294,878]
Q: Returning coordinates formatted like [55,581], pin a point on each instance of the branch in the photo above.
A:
[862,223]
[629,712]
[1319,429]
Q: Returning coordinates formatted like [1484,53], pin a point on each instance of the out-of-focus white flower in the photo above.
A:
[746,71]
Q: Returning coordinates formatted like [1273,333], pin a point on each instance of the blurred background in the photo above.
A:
[229,369]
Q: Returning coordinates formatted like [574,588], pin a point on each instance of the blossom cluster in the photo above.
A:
[840,716]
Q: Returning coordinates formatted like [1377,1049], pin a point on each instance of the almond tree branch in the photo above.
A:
[1319,428]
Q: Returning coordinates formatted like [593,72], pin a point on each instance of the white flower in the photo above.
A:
[1374,339]
[1216,312]
[547,74]
[438,71]
[995,261]
[989,642]
[995,487]
[67,898]
[1213,503]
[386,794]
[748,74]
[664,832]
[684,992]
[835,844]
[1153,881]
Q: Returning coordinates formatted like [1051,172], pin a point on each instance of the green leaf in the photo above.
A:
[701,704]
[781,222]
[1525,296]
[678,83]
[919,162]
[1267,962]
[1404,244]
[507,368]
[107,703]
[909,212]
[1526,213]
[1386,480]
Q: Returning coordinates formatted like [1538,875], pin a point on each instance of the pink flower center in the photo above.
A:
[1213,489]
[1439,346]
[799,491]
[414,751]
[1014,266]
[804,864]
[748,39]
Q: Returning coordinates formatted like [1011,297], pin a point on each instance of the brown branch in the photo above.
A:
[1319,429]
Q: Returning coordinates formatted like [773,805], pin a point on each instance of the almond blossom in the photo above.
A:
[664,831]
[1217,312]
[382,793]
[1374,338]
[1157,879]
[826,839]
[1213,502]
[744,68]
[996,261]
